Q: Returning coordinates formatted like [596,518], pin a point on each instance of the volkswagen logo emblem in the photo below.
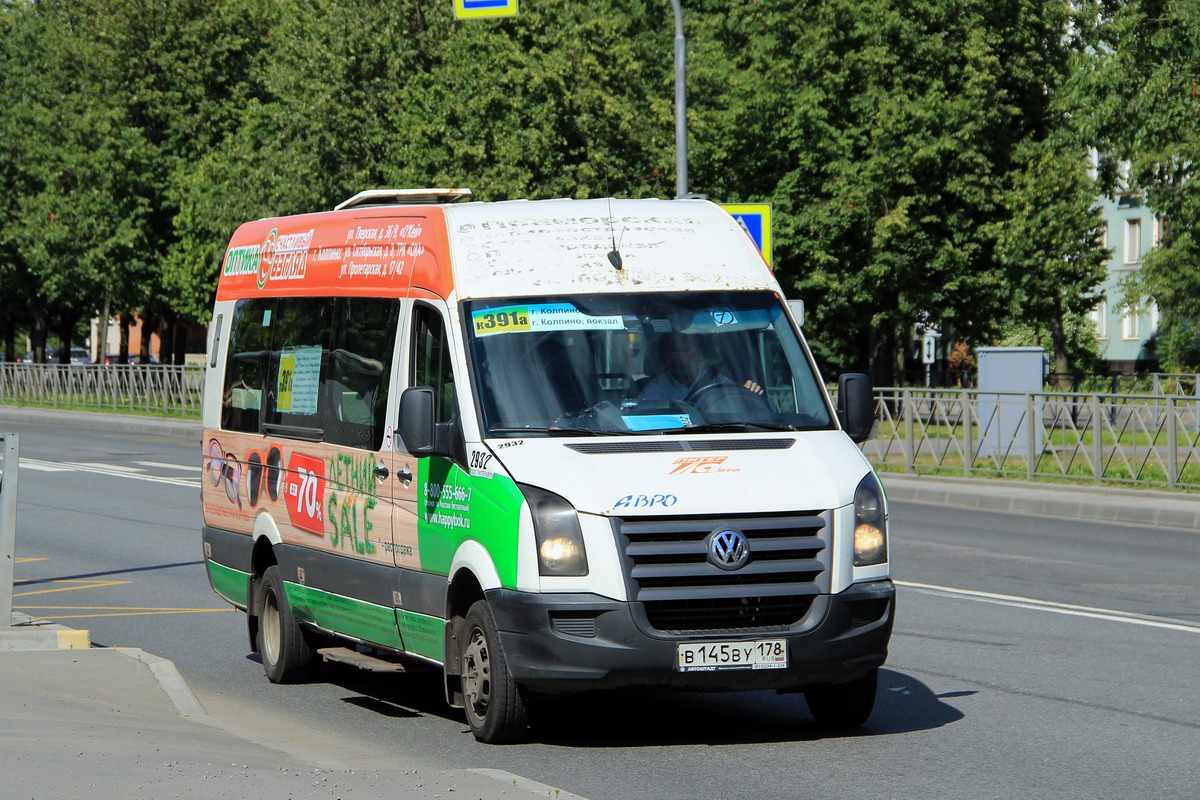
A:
[728,549]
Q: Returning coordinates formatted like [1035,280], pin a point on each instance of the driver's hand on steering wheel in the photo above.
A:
[751,386]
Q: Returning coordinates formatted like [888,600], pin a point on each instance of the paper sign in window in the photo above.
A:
[299,380]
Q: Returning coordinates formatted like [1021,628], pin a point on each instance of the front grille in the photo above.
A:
[667,566]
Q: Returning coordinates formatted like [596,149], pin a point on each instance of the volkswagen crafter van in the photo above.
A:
[448,433]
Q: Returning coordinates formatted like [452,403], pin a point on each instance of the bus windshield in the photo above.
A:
[607,364]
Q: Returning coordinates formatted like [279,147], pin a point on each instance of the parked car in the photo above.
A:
[29,359]
[79,355]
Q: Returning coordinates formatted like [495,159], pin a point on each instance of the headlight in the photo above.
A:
[557,533]
[870,523]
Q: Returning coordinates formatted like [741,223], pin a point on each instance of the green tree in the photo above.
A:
[1142,75]
[74,212]
[881,133]
[1049,245]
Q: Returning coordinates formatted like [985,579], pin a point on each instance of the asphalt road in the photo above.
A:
[1031,657]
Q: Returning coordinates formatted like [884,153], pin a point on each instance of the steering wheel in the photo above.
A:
[726,397]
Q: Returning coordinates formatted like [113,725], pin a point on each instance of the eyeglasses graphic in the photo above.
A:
[224,466]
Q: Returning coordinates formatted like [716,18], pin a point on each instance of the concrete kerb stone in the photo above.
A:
[1101,504]
[30,633]
[99,420]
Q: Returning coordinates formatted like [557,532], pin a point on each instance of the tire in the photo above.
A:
[843,705]
[286,654]
[496,706]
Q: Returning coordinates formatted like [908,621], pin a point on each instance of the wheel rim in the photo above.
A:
[477,675]
[271,626]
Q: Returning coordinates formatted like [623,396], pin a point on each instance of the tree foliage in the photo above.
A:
[923,166]
[1142,71]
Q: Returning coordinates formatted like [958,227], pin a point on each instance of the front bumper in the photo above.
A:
[557,643]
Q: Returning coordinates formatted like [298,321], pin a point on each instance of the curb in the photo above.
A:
[1101,504]
[29,633]
[122,423]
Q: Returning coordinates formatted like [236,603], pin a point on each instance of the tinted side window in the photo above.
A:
[311,368]
[247,365]
[359,371]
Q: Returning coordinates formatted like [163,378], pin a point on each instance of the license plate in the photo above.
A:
[711,656]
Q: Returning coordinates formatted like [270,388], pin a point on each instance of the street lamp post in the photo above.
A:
[681,176]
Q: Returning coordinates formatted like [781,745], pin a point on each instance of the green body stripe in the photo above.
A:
[424,636]
[335,612]
[454,507]
[232,584]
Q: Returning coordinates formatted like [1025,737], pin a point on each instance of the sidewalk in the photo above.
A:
[118,723]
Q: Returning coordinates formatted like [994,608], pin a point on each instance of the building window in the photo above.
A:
[1133,241]
[1129,324]
[1158,229]
[1099,318]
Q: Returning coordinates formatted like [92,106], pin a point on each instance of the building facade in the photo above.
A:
[1127,325]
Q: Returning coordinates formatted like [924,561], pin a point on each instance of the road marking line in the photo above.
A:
[119,611]
[164,465]
[116,472]
[100,465]
[1067,609]
[41,466]
[79,584]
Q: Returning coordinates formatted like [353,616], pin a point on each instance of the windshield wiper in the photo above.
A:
[733,427]
[567,430]
[558,430]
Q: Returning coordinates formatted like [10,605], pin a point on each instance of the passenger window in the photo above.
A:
[359,371]
[246,366]
[311,368]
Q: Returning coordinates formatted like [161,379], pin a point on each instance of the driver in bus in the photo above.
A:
[682,370]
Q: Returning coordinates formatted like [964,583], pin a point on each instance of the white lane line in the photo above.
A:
[100,465]
[40,467]
[1067,609]
[193,468]
[106,469]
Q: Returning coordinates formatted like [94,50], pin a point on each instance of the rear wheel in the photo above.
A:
[496,707]
[843,705]
[286,654]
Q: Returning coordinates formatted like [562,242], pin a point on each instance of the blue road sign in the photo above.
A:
[755,219]
[478,9]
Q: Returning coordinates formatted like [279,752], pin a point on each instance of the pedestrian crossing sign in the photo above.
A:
[755,220]
[479,9]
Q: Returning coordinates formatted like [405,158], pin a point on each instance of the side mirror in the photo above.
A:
[856,405]
[416,420]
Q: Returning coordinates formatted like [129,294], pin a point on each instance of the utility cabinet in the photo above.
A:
[1010,400]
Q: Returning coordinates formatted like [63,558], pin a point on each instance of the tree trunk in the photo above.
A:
[1058,340]
[123,344]
[883,357]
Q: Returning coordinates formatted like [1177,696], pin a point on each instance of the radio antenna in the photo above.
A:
[614,255]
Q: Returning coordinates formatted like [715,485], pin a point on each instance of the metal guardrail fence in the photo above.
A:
[1116,439]
[148,388]
[1119,439]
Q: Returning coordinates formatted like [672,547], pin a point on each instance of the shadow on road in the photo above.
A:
[653,719]
[107,573]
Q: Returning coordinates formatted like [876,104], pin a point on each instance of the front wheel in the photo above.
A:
[843,705]
[496,707]
[286,654]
